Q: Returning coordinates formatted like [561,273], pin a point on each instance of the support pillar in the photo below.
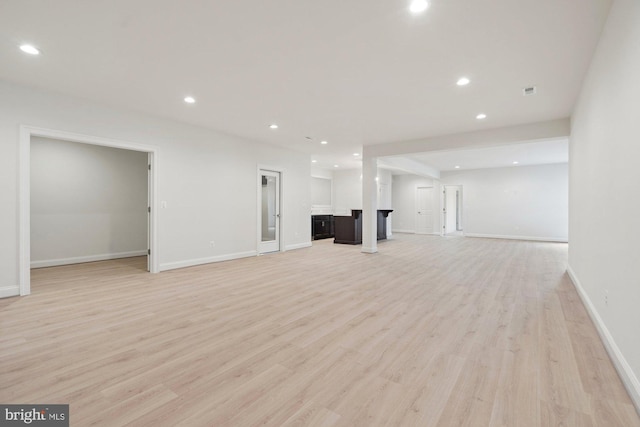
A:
[369,204]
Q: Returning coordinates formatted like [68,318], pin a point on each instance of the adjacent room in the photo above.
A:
[88,203]
[376,213]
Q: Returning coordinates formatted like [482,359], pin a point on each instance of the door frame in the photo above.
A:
[24,193]
[459,212]
[281,171]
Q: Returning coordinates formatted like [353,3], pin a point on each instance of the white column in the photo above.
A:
[369,205]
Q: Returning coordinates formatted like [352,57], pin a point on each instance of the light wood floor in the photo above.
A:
[429,332]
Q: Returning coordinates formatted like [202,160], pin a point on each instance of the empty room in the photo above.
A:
[362,213]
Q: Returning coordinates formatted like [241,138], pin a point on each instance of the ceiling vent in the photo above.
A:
[528,91]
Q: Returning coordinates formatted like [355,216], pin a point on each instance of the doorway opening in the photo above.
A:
[62,225]
[452,210]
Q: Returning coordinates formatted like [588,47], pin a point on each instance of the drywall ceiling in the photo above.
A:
[351,72]
[531,153]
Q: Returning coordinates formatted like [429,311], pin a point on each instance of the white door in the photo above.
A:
[149,182]
[269,232]
[424,204]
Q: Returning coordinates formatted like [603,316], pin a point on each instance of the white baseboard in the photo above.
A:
[88,258]
[395,230]
[628,377]
[368,250]
[9,291]
[208,260]
[297,246]
[534,238]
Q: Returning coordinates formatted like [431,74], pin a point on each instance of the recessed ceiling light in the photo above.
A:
[481,116]
[323,142]
[463,81]
[457,167]
[516,162]
[314,161]
[273,126]
[31,50]
[189,100]
[356,154]
[335,166]
[418,6]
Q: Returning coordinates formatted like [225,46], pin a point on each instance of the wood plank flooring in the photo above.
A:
[430,331]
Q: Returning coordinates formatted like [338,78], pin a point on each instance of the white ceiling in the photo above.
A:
[351,72]
[532,153]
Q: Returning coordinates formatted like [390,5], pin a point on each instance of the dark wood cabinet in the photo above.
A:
[348,229]
[382,223]
[321,227]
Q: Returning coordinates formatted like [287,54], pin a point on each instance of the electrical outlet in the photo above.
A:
[212,243]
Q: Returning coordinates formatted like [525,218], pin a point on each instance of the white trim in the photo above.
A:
[368,250]
[24,207]
[298,246]
[404,231]
[83,259]
[534,238]
[208,260]
[9,291]
[628,377]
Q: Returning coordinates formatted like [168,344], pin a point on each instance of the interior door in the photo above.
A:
[451,211]
[149,176]
[424,216]
[270,212]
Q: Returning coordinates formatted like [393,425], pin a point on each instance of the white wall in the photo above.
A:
[604,149]
[385,190]
[404,202]
[208,179]
[87,202]
[347,191]
[524,202]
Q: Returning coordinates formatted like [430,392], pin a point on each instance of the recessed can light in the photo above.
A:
[463,81]
[273,126]
[314,161]
[457,167]
[356,154]
[30,49]
[323,142]
[418,6]
[189,99]
[516,162]
[481,116]
[335,166]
